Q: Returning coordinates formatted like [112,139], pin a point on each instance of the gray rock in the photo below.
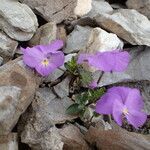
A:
[68,137]
[1,60]
[46,140]
[100,40]
[17,20]
[17,88]
[7,46]
[49,110]
[59,10]
[53,76]
[90,40]
[44,35]
[77,39]
[9,142]
[138,69]
[62,89]
[99,7]
[141,6]
[128,24]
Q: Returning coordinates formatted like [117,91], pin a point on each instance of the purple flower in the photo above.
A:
[123,102]
[44,58]
[106,61]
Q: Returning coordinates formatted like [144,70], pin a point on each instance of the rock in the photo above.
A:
[17,20]
[47,140]
[61,32]
[7,46]
[44,35]
[49,110]
[77,39]
[1,60]
[59,10]
[90,40]
[100,40]
[128,24]
[9,142]
[141,6]
[62,89]
[117,139]
[99,7]
[17,87]
[53,76]
[68,137]
[137,69]
[73,139]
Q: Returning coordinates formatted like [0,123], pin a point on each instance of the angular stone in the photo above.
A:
[46,140]
[44,35]
[59,10]
[9,142]
[17,20]
[53,76]
[7,46]
[49,110]
[100,40]
[77,39]
[117,139]
[73,139]
[128,24]
[68,137]
[138,69]
[99,7]
[1,60]
[141,6]
[17,87]
[62,89]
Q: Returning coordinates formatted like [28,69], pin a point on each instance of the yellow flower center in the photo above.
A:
[125,111]
[45,62]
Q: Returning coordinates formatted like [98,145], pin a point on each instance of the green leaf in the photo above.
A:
[72,66]
[86,76]
[74,109]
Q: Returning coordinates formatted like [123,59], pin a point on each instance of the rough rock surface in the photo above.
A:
[17,88]
[85,39]
[68,137]
[49,110]
[59,10]
[1,60]
[117,139]
[99,7]
[129,25]
[7,46]
[72,138]
[44,35]
[62,89]
[17,20]
[141,6]
[77,39]
[100,40]
[9,142]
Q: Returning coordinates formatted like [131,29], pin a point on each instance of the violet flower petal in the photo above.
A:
[50,48]
[45,70]
[134,100]
[57,59]
[105,104]
[117,112]
[32,56]
[136,118]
